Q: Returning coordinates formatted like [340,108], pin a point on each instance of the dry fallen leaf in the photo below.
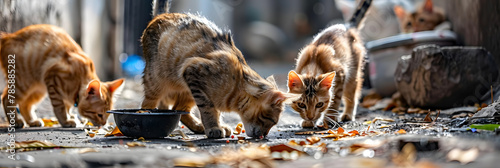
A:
[33,145]
[135,144]
[340,130]
[428,117]
[49,122]
[312,140]
[463,156]
[401,131]
[370,99]
[248,156]
[115,132]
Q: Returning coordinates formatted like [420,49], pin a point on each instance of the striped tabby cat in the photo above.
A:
[48,60]
[191,62]
[335,58]
[425,18]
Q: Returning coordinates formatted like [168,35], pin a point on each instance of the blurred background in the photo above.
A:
[269,33]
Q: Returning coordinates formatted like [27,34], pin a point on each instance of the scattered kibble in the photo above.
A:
[238,129]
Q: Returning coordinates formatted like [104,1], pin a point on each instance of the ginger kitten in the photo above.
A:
[425,18]
[191,62]
[41,59]
[335,58]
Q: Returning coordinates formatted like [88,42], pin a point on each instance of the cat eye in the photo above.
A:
[408,25]
[421,20]
[319,105]
[301,105]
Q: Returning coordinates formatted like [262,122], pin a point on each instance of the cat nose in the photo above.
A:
[310,116]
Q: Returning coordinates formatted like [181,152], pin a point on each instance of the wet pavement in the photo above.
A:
[432,144]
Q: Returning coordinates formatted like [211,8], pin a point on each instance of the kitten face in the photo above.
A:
[315,94]
[425,18]
[263,113]
[97,99]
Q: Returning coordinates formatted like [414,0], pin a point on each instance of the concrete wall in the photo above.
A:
[477,22]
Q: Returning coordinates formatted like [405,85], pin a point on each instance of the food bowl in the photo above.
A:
[384,55]
[147,123]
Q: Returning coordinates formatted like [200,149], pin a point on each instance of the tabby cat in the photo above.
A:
[191,62]
[335,58]
[425,18]
[48,60]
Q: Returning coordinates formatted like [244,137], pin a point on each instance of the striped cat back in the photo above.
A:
[48,60]
[191,62]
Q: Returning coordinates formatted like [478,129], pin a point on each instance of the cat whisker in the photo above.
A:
[333,110]
[331,121]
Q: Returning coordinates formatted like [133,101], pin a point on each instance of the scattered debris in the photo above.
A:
[115,132]
[87,150]
[33,145]
[401,131]
[238,129]
[371,99]
[135,144]
[406,157]
[50,122]
[463,156]
[489,127]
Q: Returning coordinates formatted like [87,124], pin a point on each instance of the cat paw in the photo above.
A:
[36,123]
[215,133]
[227,130]
[307,124]
[68,124]
[344,118]
[19,123]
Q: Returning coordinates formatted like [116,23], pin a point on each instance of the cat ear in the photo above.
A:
[279,97]
[295,83]
[428,6]
[400,12]
[94,88]
[273,82]
[115,85]
[327,82]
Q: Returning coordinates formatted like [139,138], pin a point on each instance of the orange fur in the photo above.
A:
[425,18]
[48,60]
[335,59]
[190,62]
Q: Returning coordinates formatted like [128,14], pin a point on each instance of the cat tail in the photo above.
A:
[359,14]
[158,4]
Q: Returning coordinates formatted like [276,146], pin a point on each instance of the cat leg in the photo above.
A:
[11,112]
[25,108]
[209,115]
[185,102]
[333,112]
[60,106]
[350,101]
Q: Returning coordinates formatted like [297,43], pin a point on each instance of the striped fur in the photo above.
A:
[48,60]
[334,58]
[425,18]
[191,62]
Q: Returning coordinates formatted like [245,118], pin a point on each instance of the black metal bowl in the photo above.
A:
[147,123]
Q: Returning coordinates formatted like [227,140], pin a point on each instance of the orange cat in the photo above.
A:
[41,59]
[191,62]
[425,18]
[335,58]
